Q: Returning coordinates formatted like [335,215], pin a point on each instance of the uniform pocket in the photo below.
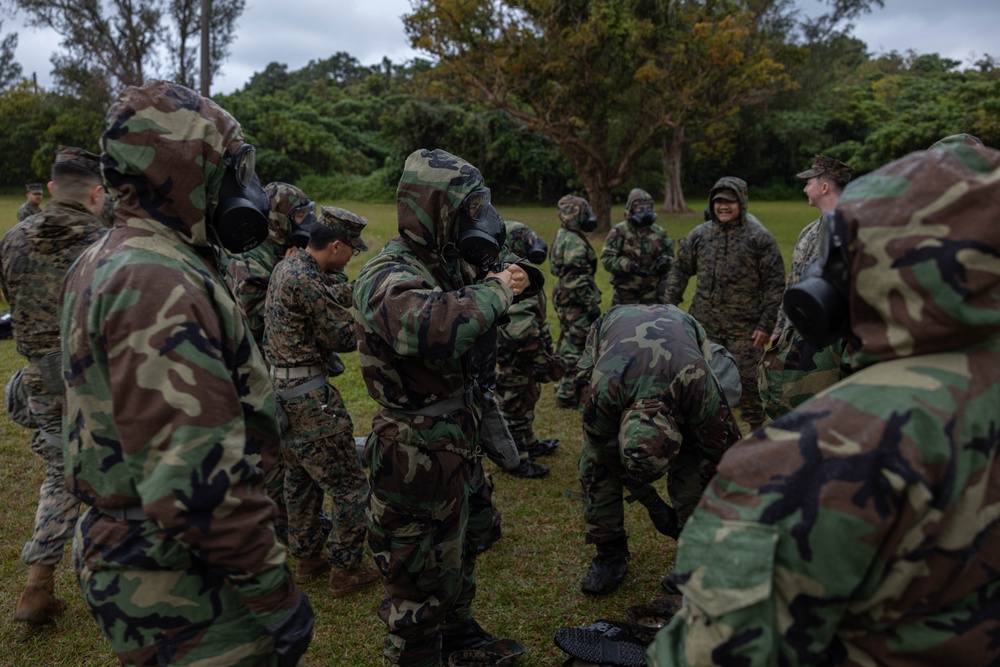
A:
[726,565]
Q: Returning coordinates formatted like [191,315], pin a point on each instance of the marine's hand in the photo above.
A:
[760,338]
[513,276]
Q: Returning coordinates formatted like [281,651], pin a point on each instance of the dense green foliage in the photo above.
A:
[341,130]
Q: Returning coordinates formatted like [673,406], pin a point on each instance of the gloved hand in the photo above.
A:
[293,633]
[635,269]
[334,365]
[663,265]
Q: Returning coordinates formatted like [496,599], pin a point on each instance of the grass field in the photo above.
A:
[528,583]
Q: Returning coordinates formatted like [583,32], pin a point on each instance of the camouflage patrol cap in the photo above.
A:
[345,225]
[637,195]
[924,252]
[70,159]
[572,208]
[726,194]
[33,188]
[828,166]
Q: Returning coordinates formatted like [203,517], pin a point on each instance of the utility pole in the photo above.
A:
[206,23]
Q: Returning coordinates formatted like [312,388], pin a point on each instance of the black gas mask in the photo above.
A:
[588,222]
[819,304]
[538,251]
[481,230]
[240,216]
[643,214]
[302,230]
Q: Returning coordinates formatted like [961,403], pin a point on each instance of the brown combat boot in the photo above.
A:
[344,582]
[307,569]
[38,603]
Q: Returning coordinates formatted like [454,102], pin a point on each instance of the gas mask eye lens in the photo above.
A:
[243,163]
[477,204]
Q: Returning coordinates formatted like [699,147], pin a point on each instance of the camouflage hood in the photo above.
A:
[572,211]
[163,156]
[925,253]
[636,196]
[284,198]
[737,185]
[431,189]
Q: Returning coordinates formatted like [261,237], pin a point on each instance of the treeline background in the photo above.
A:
[341,130]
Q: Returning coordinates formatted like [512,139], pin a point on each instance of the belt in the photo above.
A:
[442,407]
[124,513]
[296,372]
[302,389]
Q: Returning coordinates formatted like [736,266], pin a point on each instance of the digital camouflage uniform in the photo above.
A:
[740,282]
[575,296]
[248,274]
[27,210]
[419,314]
[303,323]
[792,371]
[35,256]
[169,411]
[525,357]
[652,407]
[638,258]
[862,528]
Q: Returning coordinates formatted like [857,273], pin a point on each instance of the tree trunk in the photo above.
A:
[599,196]
[673,197]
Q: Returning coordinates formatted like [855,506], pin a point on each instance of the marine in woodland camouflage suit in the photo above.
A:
[303,324]
[741,279]
[862,527]
[638,253]
[575,296]
[420,312]
[35,255]
[792,371]
[33,199]
[651,407]
[169,411]
[525,359]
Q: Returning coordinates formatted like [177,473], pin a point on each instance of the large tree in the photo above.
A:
[606,80]
[125,41]
[10,70]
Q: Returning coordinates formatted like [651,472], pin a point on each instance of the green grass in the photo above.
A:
[529,582]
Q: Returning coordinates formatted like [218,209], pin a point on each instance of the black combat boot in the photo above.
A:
[462,635]
[542,447]
[529,469]
[607,570]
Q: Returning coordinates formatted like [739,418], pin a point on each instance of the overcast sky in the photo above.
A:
[294,32]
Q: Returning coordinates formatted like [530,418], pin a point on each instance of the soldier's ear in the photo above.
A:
[49,186]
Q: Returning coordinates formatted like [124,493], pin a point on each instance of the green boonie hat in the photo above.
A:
[71,158]
[835,169]
[33,188]
[346,225]
[726,194]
